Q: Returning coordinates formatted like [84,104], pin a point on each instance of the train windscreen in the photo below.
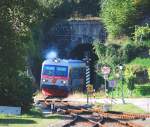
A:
[61,71]
[48,70]
[53,70]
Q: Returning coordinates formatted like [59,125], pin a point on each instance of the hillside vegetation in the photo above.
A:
[22,26]
[128,42]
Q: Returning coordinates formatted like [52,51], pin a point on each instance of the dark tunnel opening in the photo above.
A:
[80,52]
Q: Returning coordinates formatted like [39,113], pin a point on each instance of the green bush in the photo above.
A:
[143,62]
[141,33]
[131,83]
[24,94]
[142,90]
[139,72]
[132,51]
[109,55]
[113,54]
[146,43]
[99,80]
[139,90]
[17,91]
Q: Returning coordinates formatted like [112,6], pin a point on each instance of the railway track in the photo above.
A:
[83,116]
[80,120]
[118,120]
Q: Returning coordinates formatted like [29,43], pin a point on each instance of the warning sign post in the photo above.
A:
[89,88]
[105,71]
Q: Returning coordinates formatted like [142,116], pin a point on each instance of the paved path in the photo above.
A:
[143,103]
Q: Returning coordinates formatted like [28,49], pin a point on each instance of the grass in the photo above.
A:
[140,91]
[34,118]
[127,108]
[130,108]
[142,61]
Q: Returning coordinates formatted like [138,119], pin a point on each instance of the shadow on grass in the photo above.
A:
[16,121]
[34,113]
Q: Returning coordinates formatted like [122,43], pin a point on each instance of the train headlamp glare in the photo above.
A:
[51,54]
[64,82]
[55,60]
[44,80]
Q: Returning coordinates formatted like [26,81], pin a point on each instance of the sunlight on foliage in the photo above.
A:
[141,33]
[117,16]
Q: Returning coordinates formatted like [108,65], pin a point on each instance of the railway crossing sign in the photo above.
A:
[87,75]
[89,88]
[105,76]
[105,70]
[112,83]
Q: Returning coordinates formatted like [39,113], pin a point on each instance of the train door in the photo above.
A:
[70,79]
[77,79]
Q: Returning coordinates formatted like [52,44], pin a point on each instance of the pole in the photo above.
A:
[117,88]
[123,101]
[105,87]
[111,97]
[87,98]
[105,77]
[87,60]
[112,93]
[87,81]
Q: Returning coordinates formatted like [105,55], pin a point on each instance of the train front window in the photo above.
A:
[49,70]
[61,71]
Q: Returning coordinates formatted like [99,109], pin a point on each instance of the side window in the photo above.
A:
[82,72]
[78,73]
[74,73]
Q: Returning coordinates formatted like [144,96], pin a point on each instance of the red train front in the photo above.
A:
[59,77]
[55,78]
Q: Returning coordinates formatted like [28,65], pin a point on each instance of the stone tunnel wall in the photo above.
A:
[66,35]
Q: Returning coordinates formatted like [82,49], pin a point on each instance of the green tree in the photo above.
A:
[14,40]
[110,55]
[17,18]
[117,16]
[131,83]
[141,34]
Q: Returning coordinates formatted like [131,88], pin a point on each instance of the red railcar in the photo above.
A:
[59,77]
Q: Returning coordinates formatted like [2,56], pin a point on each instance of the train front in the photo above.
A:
[54,79]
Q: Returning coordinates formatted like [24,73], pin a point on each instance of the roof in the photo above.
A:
[65,62]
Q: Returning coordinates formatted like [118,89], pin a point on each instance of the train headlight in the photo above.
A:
[44,80]
[56,60]
[63,82]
